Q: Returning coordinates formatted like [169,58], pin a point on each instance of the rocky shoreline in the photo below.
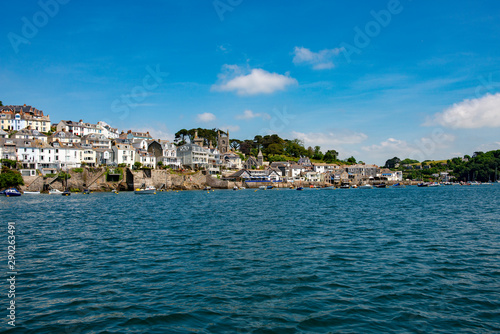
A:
[98,179]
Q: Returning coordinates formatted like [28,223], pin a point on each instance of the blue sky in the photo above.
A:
[373,79]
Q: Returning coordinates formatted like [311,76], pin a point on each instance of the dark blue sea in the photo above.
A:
[413,260]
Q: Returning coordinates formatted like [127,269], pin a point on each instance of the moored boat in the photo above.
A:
[365,186]
[31,193]
[11,192]
[262,187]
[148,190]
[398,186]
[381,185]
[66,193]
[300,188]
[54,191]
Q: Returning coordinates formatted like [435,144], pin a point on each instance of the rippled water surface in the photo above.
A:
[415,260]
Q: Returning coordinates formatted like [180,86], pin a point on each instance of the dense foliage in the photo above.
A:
[184,136]
[273,147]
[10,178]
[480,167]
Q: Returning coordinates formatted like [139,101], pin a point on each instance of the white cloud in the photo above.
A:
[322,60]
[205,117]
[470,114]
[433,146]
[160,131]
[330,139]
[258,81]
[231,128]
[249,114]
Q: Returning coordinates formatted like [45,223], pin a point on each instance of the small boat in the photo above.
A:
[398,186]
[269,187]
[422,184]
[434,185]
[54,191]
[328,188]
[11,192]
[114,191]
[31,193]
[382,185]
[365,186]
[262,187]
[66,193]
[300,188]
[345,186]
[147,190]
[207,188]
[86,191]
[236,188]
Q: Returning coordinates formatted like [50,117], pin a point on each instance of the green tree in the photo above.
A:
[318,155]
[137,165]
[1,104]
[274,149]
[10,178]
[391,163]
[351,160]
[330,156]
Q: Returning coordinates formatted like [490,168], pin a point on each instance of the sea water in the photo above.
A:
[413,260]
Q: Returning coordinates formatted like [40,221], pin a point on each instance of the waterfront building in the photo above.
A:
[88,155]
[124,154]
[255,175]
[3,134]
[362,170]
[68,155]
[166,152]
[146,158]
[231,160]
[387,174]
[104,156]
[193,156]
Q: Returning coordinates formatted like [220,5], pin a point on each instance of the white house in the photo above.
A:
[146,158]
[88,155]
[108,131]
[193,156]
[28,133]
[124,154]
[65,137]
[67,155]
[97,140]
